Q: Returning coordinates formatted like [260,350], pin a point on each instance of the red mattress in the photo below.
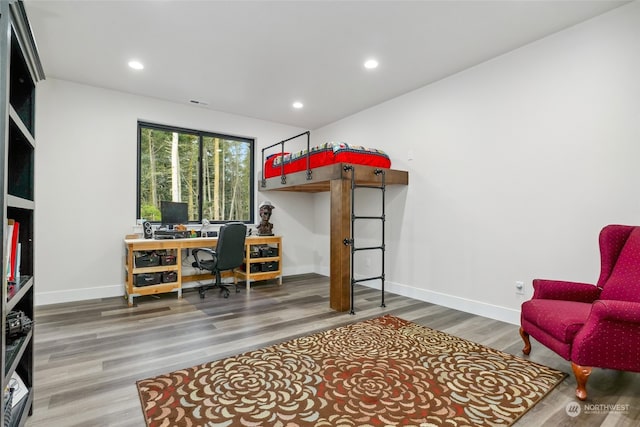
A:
[323,155]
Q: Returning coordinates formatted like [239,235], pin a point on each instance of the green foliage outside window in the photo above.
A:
[212,173]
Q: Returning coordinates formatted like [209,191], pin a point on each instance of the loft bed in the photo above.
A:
[311,170]
[330,167]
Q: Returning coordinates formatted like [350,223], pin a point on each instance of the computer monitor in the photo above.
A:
[172,213]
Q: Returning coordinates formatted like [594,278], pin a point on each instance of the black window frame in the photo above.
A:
[201,135]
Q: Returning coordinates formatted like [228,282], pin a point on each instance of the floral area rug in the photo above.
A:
[380,372]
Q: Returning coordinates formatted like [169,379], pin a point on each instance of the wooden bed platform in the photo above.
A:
[335,179]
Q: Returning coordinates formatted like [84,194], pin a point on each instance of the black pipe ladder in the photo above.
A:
[351,240]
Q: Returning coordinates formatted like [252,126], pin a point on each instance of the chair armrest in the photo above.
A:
[209,251]
[612,310]
[566,291]
[610,336]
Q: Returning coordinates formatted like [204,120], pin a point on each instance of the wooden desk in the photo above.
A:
[175,246]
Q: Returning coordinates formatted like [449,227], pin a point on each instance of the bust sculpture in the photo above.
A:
[265,228]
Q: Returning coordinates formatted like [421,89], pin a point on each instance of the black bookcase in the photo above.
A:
[21,70]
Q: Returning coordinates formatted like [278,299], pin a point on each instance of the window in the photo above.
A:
[212,173]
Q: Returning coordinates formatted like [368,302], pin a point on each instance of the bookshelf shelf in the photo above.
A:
[17,292]
[19,202]
[14,352]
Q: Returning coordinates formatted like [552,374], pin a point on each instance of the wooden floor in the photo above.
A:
[90,354]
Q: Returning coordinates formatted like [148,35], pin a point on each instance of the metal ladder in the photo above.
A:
[351,241]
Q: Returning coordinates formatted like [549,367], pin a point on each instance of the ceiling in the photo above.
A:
[255,58]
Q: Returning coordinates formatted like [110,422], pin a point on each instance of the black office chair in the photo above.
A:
[229,254]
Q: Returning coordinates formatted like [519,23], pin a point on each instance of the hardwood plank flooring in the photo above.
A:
[88,355]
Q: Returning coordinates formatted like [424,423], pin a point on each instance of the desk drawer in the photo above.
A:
[147,279]
[269,266]
[150,259]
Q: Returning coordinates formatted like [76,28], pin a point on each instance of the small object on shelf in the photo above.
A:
[267,251]
[18,324]
[19,389]
[169,276]
[269,266]
[147,279]
[167,259]
[149,259]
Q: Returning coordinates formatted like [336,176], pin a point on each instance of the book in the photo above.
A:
[8,240]
[17,268]
[14,250]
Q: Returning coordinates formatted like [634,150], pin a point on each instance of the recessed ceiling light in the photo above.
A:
[136,65]
[298,104]
[371,64]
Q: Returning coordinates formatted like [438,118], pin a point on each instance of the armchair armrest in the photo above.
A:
[198,261]
[612,310]
[566,291]
[610,337]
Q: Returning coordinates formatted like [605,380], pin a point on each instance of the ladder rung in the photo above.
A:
[368,217]
[367,279]
[379,187]
[368,248]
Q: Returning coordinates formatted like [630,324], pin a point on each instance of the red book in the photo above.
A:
[14,249]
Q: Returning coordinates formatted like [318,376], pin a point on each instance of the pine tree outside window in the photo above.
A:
[212,173]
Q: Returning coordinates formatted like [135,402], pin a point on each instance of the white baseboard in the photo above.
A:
[296,269]
[72,295]
[478,308]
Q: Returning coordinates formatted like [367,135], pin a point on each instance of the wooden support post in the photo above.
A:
[339,298]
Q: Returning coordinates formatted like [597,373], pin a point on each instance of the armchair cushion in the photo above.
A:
[560,319]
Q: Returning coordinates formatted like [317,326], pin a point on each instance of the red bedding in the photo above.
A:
[325,154]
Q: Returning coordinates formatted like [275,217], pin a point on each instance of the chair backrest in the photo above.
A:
[230,247]
[623,282]
[612,240]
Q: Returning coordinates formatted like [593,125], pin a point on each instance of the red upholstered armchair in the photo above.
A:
[592,326]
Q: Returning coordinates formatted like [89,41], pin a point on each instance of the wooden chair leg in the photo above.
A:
[527,343]
[582,375]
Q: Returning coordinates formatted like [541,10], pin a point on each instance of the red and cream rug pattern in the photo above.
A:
[381,372]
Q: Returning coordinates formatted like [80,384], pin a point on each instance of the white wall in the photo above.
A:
[517,165]
[85,185]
